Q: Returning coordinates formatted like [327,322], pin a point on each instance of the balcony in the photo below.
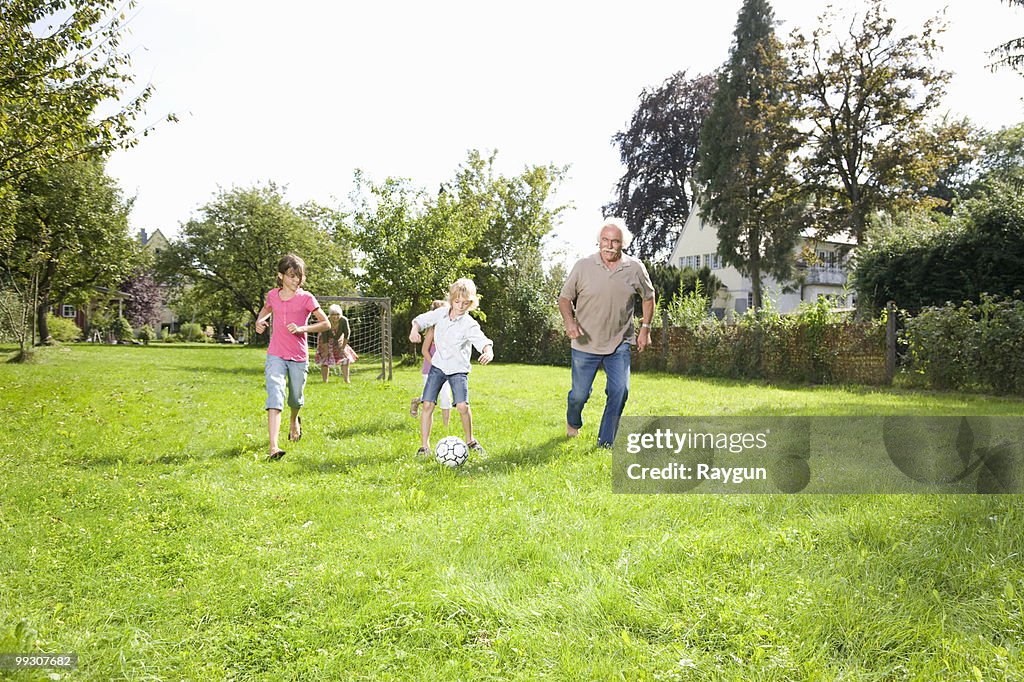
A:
[818,274]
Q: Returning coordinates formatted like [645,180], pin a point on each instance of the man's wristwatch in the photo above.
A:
[644,325]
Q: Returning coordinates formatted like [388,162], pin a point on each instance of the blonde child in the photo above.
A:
[456,333]
[287,355]
[330,345]
[444,398]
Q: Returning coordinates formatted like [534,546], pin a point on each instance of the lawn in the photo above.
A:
[144,531]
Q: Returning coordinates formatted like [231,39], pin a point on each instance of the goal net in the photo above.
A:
[370,322]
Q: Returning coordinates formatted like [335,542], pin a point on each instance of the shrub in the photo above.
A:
[192,331]
[816,344]
[689,309]
[146,334]
[122,329]
[969,346]
[62,329]
[100,321]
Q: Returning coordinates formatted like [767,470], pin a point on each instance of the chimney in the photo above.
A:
[143,237]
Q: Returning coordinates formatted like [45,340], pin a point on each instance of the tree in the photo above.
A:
[411,246]
[228,256]
[71,234]
[1011,53]
[867,95]
[1001,158]
[513,218]
[59,61]
[989,162]
[659,151]
[956,176]
[481,224]
[143,308]
[747,143]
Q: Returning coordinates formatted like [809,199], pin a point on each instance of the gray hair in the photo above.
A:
[620,224]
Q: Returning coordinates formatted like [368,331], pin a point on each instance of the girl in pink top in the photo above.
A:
[444,398]
[288,354]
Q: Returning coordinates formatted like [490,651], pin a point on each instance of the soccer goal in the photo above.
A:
[370,322]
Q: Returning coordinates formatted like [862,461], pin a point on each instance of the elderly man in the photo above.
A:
[596,303]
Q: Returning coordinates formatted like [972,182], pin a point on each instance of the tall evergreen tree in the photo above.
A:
[747,144]
[659,151]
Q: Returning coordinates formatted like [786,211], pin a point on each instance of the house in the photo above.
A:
[155,243]
[101,297]
[821,270]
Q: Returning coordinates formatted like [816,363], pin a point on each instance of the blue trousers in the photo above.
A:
[584,369]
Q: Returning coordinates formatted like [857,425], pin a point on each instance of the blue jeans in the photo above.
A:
[584,369]
[458,382]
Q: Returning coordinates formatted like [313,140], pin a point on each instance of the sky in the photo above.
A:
[306,92]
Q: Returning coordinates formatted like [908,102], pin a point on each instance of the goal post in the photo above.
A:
[369,320]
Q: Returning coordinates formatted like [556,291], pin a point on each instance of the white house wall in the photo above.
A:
[700,239]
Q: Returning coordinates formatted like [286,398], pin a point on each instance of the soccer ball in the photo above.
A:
[451,451]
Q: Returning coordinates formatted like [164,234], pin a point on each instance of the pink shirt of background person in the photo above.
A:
[296,310]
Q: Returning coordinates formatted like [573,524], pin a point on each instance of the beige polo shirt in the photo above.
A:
[603,300]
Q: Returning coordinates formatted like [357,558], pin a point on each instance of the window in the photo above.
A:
[67,310]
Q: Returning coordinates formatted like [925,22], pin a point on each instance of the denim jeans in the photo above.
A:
[584,369]
[280,373]
[459,383]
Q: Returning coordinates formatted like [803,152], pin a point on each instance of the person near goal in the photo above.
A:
[331,344]
[444,398]
[288,356]
[456,333]
[596,303]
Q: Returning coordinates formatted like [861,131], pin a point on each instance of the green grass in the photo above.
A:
[141,528]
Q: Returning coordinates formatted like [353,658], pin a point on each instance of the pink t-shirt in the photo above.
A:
[425,369]
[296,309]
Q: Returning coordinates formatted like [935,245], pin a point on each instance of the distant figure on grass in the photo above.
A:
[332,345]
[288,356]
[428,350]
[455,336]
[596,303]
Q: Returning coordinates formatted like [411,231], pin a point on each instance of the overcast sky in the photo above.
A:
[305,92]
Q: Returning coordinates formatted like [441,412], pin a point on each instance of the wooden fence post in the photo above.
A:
[664,340]
[890,341]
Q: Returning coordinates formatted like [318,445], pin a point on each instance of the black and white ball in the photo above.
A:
[451,451]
